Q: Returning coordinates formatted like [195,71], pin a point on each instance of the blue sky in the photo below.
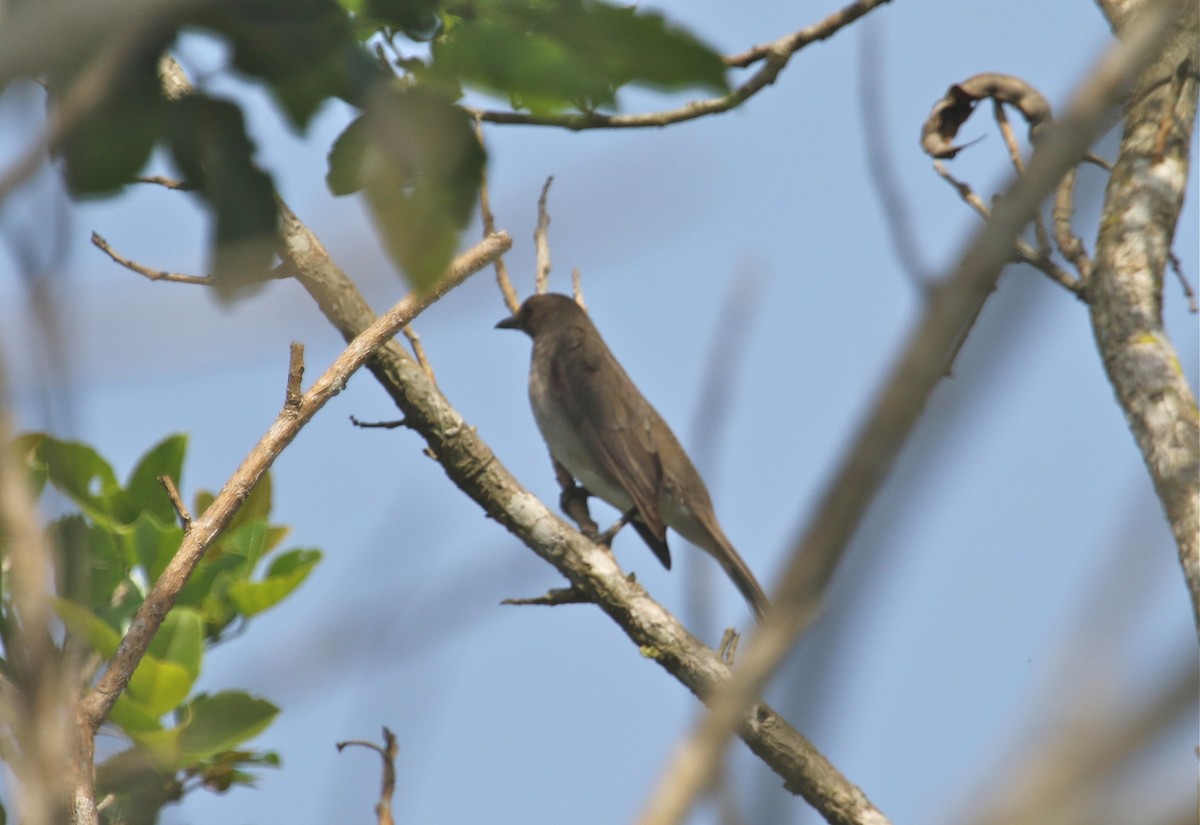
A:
[1020,495]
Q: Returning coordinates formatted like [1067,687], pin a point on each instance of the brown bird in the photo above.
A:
[605,434]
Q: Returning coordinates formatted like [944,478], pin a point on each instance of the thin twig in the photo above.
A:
[169,183]
[387,752]
[1014,155]
[775,56]
[99,702]
[553,598]
[418,349]
[181,510]
[1069,244]
[152,274]
[541,241]
[383,425]
[1188,293]
[1022,251]
[489,226]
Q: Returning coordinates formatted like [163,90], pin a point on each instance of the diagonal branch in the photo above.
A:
[895,413]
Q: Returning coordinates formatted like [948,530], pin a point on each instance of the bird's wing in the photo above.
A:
[613,426]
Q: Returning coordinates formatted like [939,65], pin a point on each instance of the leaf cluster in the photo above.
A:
[113,543]
[404,64]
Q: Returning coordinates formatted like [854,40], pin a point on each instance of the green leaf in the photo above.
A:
[93,569]
[155,544]
[86,625]
[559,54]
[210,146]
[180,640]
[159,686]
[257,505]
[417,157]
[163,459]
[114,142]
[286,573]
[306,50]
[212,724]
[79,472]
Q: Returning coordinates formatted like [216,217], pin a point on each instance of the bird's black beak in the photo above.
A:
[511,322]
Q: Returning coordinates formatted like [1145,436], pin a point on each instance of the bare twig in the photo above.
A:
[387,752]
[776,56]
[152,274]
[418,349]
[1022,251]
[383,425]
[1069,244]
[97,704]
[1188,293]
[1014,155]
[554,597]
[900,402]
[489,226]
[541,241]
[169,183]
[181,510]
[293,397]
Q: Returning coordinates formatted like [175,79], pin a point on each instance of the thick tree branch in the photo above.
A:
[1141,207]
[896,410]
[775,57]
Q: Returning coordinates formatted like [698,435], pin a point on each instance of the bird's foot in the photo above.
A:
[607,536]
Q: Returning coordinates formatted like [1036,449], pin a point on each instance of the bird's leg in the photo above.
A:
[607,536]
[573,501]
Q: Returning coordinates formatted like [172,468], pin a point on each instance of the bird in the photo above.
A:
[602,430]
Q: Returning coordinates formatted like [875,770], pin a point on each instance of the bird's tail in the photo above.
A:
[743,579]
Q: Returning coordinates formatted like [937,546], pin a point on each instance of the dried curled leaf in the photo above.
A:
[952,111]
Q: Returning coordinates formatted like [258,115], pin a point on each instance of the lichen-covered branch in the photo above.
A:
[1141,207]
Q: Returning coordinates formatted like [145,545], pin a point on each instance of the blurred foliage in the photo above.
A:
[404,64]
[111,550]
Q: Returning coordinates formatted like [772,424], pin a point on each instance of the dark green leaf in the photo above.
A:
[417,157]
[210,146]
[306,50]
[113,144]
[417,19]
[221,722]
[573,53]
[163,459]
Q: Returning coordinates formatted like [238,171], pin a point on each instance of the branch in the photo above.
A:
[1141,207]
[98,703]
[471,465]
[894,414]
[387,752]
[775,56]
